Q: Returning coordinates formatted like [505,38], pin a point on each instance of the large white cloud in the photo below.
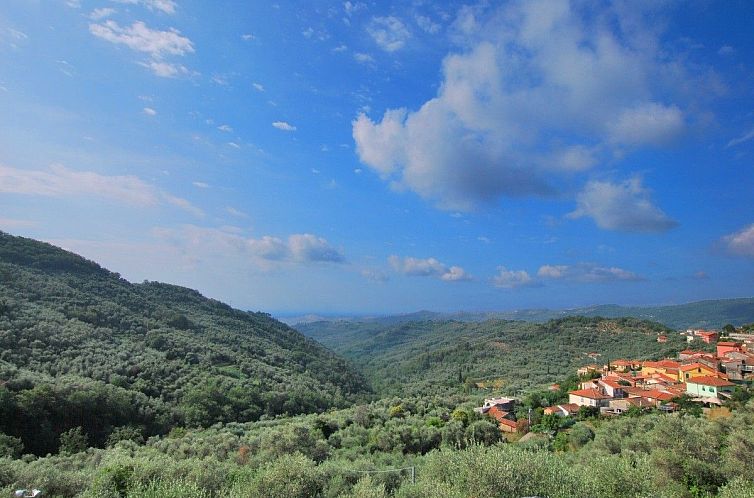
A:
[622,206]
[741,242]
[538,87]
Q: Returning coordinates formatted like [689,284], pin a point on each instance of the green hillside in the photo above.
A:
[81,346]
[442,356]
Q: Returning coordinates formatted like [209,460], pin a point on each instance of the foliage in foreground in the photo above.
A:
[329,455]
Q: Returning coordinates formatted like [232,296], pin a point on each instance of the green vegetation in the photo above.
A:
[331,454]
[442,357]
[110,389]
[84,350]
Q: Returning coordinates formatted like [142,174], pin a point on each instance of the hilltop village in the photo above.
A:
[702,378]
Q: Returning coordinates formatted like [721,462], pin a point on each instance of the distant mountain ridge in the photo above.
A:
[699,314]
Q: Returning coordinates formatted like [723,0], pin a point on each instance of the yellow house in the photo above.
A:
[667,367]
[692,370]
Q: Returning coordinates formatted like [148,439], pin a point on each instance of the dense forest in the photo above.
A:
[84,348]
[438,357]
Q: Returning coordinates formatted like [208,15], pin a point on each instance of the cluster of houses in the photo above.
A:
[705,377]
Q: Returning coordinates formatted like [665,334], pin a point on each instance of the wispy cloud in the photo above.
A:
[165,6]
[282,125]
[743,138]
[389,33]
[155,43]
[587,272]
[59,181]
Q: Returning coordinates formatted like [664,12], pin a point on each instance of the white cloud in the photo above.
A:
[363,58]
[310,248]
[648,123]
[59,181]
[743,138]
[624,206]
[539,88]
[282,125]
[141,38]
[261,252]
[258,87]
[225,128]
[101,13]
[248,37]
[587,272]
[389,33]
[165,6]
[149,111]
[427,25]
[741,242]
[200,184]
[155,43]
[235,212]
[340,48]
[234,145]
[429,267]
[511,279]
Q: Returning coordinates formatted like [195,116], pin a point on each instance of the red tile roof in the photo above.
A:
[693,366]
[707,380]
[590,393]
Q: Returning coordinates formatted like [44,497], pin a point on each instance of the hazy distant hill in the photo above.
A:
[80,346]
[710,314]
[424,357]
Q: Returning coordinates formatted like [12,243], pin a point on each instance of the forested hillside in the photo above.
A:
[82,347]
[440,357]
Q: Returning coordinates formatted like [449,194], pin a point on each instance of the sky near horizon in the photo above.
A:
[382,157]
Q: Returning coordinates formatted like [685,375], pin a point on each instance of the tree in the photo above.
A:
[73,441]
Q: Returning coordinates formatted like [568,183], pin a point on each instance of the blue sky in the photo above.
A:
[356,157]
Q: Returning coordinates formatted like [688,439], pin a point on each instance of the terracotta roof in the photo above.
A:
[729,344]
[611,383]
[590,393]
[657,394]
[693,366]
[509,423]
[707,380]
[570,407]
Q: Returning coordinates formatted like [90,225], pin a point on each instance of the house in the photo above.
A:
[662,338]
[661,379]
[611,387]
[589,369]
[695,370]
[668,367]
[565,410]
[729,347]
[657,397]
[708,387]
[622,405]
[588,397]
[621,365]
[708,336]
[506,421]
[507,404]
